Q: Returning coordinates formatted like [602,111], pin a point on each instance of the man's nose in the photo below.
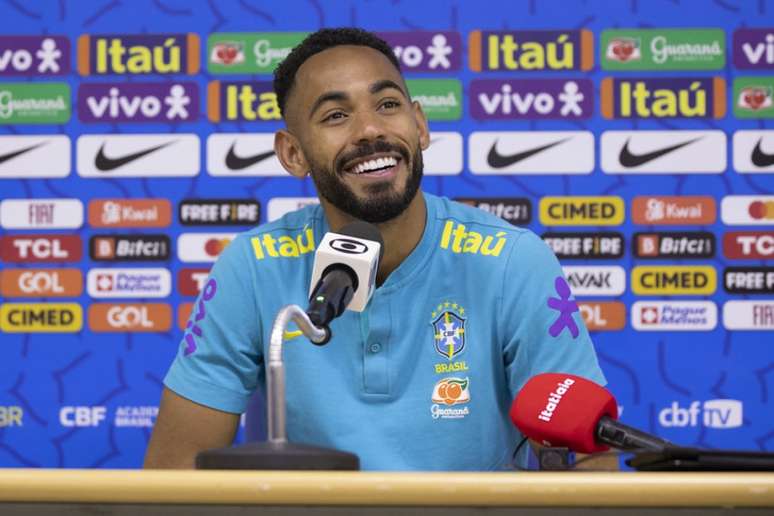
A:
[368,126]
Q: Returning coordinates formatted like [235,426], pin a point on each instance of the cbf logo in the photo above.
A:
[448,329]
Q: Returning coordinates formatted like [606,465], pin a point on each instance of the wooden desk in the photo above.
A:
[29,491]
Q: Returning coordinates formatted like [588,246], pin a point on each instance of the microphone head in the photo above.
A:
[366,231]
[558,409]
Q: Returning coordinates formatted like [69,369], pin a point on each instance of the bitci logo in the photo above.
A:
[129,247]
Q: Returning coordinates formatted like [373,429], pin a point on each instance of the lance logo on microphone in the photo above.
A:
[448,329]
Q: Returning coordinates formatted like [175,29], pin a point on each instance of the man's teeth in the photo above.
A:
[374,164]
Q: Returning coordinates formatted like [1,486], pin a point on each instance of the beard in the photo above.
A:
[383,203]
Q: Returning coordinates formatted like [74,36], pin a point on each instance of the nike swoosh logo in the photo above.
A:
[497,160]
[105,164]
[760,158]
[13,154]
[235,162]
[630,160]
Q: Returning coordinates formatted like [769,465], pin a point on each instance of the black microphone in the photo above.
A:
[344,271]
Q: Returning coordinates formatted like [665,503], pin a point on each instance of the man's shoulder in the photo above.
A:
[291,235]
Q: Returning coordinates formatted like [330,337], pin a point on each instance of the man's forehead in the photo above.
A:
[343,65]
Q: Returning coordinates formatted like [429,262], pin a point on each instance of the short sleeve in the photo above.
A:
[220,354]
[543,328]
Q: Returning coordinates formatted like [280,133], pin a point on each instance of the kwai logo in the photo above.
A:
[673,210]
[244,101]
[754,49]
[426,51]
[754,97]
[663,49]
[531,50]
[683,97]
[531,99]
[130,213]
[34,103]
[34,55]
[134,54]
[138,102]
[441,99]
[249,52]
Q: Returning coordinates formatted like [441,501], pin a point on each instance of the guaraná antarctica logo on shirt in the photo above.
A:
[447,393]
[448,329]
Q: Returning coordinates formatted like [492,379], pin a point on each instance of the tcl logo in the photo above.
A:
[81,416]
[752,245]
[714,414]
[191,281]
[40,248]
[134,317]
[41,283]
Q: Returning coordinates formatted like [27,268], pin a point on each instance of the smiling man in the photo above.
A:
[468,307]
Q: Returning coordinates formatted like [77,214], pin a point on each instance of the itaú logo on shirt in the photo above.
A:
[457,239]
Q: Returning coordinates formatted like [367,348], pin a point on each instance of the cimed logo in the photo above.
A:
[566,307]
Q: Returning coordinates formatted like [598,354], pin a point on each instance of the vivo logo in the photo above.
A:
[719,413]
[138,102]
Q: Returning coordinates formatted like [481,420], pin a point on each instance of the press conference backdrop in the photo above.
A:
[634,136]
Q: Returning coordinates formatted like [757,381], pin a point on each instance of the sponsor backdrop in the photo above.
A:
[136,141]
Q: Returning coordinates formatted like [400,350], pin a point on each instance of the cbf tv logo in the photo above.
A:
[448,329]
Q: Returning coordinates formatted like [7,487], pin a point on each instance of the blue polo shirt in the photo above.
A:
[422,379]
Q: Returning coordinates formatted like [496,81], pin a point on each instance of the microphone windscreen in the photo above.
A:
[557,409]
[365,231]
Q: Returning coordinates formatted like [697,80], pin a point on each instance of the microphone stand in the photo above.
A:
[277,453]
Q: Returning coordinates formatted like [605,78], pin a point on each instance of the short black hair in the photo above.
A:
[323,39]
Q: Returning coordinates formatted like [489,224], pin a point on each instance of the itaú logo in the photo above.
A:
[719,413]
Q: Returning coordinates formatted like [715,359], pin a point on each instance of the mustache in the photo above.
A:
[367,149]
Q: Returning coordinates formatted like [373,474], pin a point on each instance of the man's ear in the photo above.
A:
[289,153]
[424,131]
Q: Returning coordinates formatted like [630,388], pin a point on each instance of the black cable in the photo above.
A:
[515,453]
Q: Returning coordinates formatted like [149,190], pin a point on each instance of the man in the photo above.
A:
[424,377]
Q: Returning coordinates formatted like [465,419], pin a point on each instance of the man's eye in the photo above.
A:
[390,104]
[336,115]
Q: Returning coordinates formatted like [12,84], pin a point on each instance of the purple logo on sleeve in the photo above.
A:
[208,292]
[565,307]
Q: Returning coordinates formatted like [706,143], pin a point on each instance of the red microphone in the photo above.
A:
[558,409]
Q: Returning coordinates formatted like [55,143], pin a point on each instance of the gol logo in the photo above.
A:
[130,317]
[603,315]
[451,391]
[675,279]
[41,283]
[41,318]
[581,211]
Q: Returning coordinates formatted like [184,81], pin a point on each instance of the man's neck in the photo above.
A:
[401,234]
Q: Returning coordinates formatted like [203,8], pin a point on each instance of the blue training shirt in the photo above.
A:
[422,379]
